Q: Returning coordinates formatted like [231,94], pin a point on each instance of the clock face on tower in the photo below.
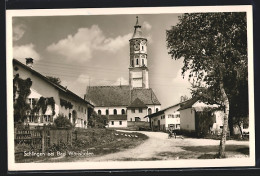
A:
[137,47]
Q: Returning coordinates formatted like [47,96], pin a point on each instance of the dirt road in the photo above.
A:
[159,147]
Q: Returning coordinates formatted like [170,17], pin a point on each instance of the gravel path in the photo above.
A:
[158,143]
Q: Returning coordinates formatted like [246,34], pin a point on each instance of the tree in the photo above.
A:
[55,80]
[214,49]
[183,98]
[96,120]
[21,90]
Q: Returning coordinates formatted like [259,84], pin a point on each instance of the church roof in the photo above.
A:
[137,103]
[107,96]
[117,117]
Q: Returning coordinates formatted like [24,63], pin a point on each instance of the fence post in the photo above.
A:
[43,140]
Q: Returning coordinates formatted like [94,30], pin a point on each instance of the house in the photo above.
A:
[134,101]
[166,118]
[117,121]
[195,113]
[58,99]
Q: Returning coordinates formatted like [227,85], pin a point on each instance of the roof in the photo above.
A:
[108,96]
[137,103]
[163,110]
[117,117]
[57,86]
[188,103]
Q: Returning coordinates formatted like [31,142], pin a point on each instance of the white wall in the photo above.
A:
[39,88]
[175,120]
[187,119]
[110,109]
[131,116]
[116,124]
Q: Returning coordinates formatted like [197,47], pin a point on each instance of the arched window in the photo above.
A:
[136,61]
[107,112]
[157,109]
[115,112]
[122,111]
[143,61]
[149,111]
[142,47]
[99,112]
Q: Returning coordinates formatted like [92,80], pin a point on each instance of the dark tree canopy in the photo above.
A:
[213,47]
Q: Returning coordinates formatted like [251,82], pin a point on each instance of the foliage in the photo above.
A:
[62,122]
[54,79]
[98,121]
[203,120]
[66,104]
[22,88]
[214,49]
[43,103]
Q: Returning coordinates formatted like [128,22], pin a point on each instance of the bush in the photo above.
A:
[62,122]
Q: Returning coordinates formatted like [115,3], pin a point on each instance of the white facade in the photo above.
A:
[120,110]
[166,118]
[42,88]
[117,123]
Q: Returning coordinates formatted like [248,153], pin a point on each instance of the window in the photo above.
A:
[157,109]
[142,61]
[136,61]
[112,122]
[149,111]
[115,112]
[131,119]
[99,112]
[32,102]
[47,118]
[133,110]
[107,112]
[137,119]
[142,47]
[122,111]
[140,110]
[120,122]
[132,62]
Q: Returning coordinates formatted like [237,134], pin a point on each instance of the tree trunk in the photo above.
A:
[225,123]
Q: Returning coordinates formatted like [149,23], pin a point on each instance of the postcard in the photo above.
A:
[130,88]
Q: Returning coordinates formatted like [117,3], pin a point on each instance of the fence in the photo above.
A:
[39,139]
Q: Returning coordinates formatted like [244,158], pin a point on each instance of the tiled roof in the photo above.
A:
[117,117]
[189,103]
[137,103]
[107,96]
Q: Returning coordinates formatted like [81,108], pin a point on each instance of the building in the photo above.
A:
[131,102]
[166,118]
[194,113]
[58,99]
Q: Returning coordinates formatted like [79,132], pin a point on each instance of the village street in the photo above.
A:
[159,147]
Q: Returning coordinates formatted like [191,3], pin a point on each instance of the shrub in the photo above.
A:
[62,122]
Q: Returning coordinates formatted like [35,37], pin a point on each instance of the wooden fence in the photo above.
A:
[39,139]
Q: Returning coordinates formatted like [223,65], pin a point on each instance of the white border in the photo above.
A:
[12,166]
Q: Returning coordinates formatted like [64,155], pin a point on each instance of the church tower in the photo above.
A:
[138,70]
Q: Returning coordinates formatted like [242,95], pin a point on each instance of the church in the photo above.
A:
[125,105]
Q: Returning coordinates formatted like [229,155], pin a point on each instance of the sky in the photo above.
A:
[94,50]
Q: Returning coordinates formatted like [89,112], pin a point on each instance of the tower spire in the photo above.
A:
[138,31]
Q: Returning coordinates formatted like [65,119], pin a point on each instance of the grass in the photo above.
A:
[92,142]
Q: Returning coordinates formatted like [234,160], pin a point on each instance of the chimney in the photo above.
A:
[29,62]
